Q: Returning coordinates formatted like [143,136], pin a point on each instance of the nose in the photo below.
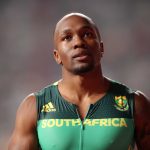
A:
[79,42]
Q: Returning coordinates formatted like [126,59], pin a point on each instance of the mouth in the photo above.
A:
[81,54]
[84,55]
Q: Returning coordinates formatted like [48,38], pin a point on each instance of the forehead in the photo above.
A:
[73,22]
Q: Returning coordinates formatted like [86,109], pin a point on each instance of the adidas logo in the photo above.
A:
[48,108]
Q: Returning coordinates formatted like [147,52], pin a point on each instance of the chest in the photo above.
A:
[104,126]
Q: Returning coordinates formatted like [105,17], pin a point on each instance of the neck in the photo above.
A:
[85,84]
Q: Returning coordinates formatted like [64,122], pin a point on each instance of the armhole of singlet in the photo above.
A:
[37,110]
[133,113]
[132,104]
[37,105]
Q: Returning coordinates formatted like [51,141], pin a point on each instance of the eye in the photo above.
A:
[67,38]
[88,34]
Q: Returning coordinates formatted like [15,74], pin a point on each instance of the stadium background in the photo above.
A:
[26,45]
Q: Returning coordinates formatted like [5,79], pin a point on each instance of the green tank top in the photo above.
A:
[108,125]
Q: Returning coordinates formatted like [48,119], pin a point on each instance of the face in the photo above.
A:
[78,46]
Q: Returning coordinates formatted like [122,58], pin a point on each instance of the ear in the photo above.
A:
[101,48]
[57,56]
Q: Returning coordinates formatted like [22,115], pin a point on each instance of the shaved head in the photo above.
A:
[75,14]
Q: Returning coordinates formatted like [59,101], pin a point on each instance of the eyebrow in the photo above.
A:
[65,31]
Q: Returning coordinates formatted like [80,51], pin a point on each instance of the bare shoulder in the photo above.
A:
[142,121]
[27,108]
[142,104]
[24,134]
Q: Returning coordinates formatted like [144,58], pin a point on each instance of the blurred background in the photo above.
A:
[26,45]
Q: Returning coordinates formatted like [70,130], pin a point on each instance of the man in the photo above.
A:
[84,110]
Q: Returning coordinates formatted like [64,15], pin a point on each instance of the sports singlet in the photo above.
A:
[108,125]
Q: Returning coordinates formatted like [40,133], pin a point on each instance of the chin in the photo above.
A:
[82,69]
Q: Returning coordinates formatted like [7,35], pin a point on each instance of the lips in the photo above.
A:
[81,54]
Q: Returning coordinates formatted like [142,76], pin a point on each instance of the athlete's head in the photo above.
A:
[78,45]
